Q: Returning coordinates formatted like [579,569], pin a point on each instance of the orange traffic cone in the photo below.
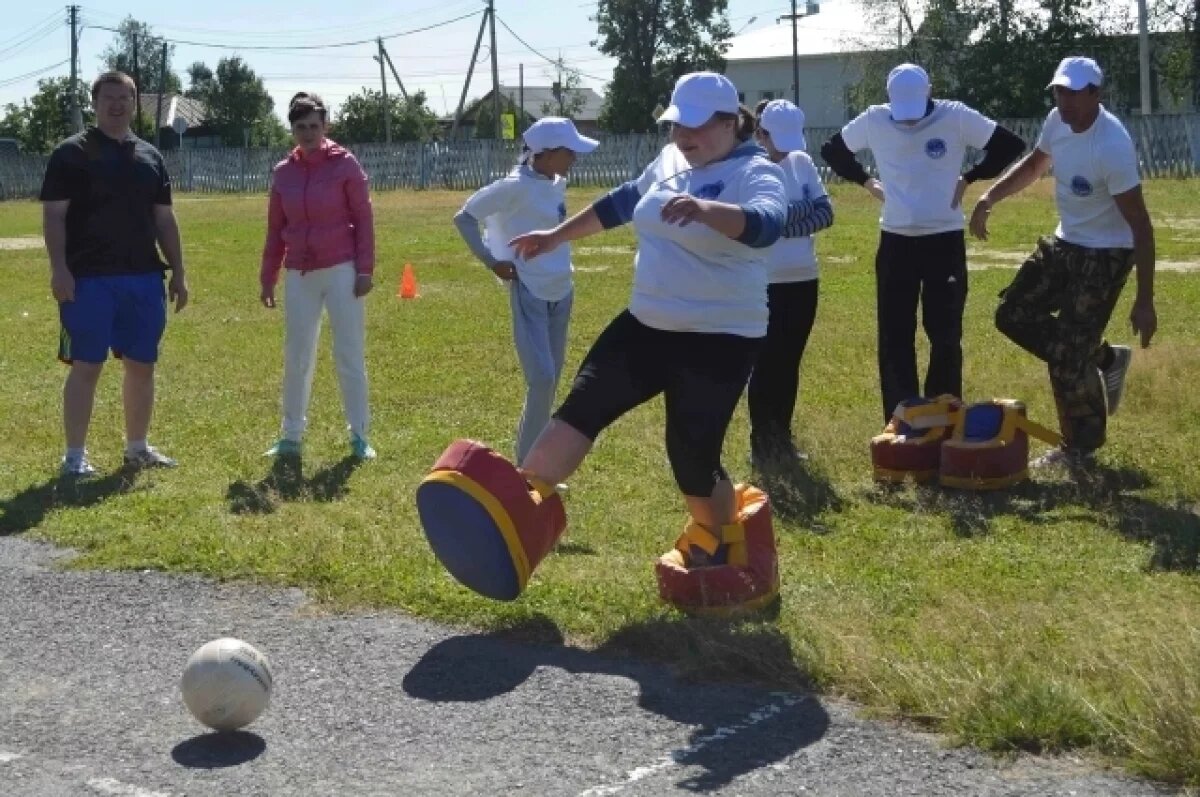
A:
[408,283]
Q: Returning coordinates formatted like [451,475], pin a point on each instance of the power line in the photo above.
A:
[12,81]
[30,39]
[530,48]
[304,46]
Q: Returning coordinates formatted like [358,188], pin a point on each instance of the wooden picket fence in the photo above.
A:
[1167,146]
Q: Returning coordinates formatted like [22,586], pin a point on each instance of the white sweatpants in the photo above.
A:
[307,293]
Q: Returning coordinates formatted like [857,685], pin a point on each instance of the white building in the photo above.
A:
[830,44]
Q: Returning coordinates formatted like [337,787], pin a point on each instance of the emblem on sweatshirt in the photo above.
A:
[562,211]
[1080,186]
[710,190]
[935,148]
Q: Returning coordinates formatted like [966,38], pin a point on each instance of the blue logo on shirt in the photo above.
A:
[710,191]
[935,148]
[562,211]
[1080,186]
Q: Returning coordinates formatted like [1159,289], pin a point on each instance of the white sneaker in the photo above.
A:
[1071,459]
[1114,376]
[76,467]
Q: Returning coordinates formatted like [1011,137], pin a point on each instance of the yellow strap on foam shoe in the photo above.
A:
[702,538]
[543,488]
[734,535]
[1040,432]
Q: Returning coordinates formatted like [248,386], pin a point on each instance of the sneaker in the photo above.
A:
[1068,458]
[1114,376]
[76,468]
[284,448]
[148,457]
[361,449]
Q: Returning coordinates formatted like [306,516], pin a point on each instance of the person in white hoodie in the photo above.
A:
[792,293]
[704,211]
[531,197]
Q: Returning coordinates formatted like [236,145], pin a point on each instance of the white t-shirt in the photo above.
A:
[919,164]
[795,259]
[1089,169]
[518,203]
[692,278]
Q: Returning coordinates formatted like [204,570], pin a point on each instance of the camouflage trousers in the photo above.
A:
[1057,308]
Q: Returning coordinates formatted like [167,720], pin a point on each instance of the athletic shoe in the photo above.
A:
[284,448]
[76,468]
[361,449]
[148,457]
[1071,459]
[1114,376]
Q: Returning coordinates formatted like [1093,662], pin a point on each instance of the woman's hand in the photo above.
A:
[362,285]
[532,244]
[684,209]
[505,270]
[267,296]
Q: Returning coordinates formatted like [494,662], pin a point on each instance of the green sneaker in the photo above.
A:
[361,449]
[284,448]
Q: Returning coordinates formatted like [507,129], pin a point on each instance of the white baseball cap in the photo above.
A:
[1076,72]
[552,132]
[785,122]
[697,96]
[908,92]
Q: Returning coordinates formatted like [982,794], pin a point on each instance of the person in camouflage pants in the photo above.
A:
[1059,304]
[1080,285]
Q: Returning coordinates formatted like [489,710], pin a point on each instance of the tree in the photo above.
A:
[360,118]
[570,99]
[43,120]
[200,80]
[119,55]
[655,42]
[238,104]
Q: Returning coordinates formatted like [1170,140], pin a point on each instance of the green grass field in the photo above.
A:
[1052,616]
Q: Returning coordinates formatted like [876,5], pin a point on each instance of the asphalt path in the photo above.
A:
[382,704]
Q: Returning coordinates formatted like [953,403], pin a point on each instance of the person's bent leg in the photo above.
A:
[623,369]
[1026,313]
[347,322]
[943,301]
[897,292]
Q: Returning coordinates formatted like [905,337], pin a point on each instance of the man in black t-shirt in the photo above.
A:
[106,211]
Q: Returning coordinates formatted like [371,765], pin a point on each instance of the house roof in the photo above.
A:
[534,97]
[840,26]
[193,111]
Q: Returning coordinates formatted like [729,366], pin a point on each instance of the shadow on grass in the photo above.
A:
[1101,495]
[286,482]
[738,726]
[798,490]
[219,750]
[27,509]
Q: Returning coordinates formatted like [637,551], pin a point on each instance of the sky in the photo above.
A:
[269,35]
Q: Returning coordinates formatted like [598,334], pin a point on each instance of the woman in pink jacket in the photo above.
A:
[321,232]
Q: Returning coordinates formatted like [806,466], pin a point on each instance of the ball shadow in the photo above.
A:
[219,750]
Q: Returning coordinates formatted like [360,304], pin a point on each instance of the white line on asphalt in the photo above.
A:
[678,757]
[6,757]
[116,788]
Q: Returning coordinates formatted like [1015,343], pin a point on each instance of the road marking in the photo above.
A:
[678,757]
[116,788]
[7,757]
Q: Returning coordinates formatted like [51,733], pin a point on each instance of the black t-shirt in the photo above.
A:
[113,187]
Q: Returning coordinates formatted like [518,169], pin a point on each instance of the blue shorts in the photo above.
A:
[126,314]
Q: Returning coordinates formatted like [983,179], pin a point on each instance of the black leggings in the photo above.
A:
[775,382]
[700,375]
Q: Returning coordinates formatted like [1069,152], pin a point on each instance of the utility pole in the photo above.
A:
[1144,56]
[387,115]
[137,86]
[395,75]
[162,87]
[470,71]
[520,102]
[810,8]
[495,69]
[76,113]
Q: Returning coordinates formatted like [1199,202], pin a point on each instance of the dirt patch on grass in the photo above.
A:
[21,242]
[1013,258]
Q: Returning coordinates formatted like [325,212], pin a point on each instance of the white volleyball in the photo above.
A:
[226,684]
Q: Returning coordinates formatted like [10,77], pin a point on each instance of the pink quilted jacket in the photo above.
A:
[319,214]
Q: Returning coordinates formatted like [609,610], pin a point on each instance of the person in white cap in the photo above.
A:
[541,292]
[705,212]
[919,145]
[792,292]
[1059,303]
